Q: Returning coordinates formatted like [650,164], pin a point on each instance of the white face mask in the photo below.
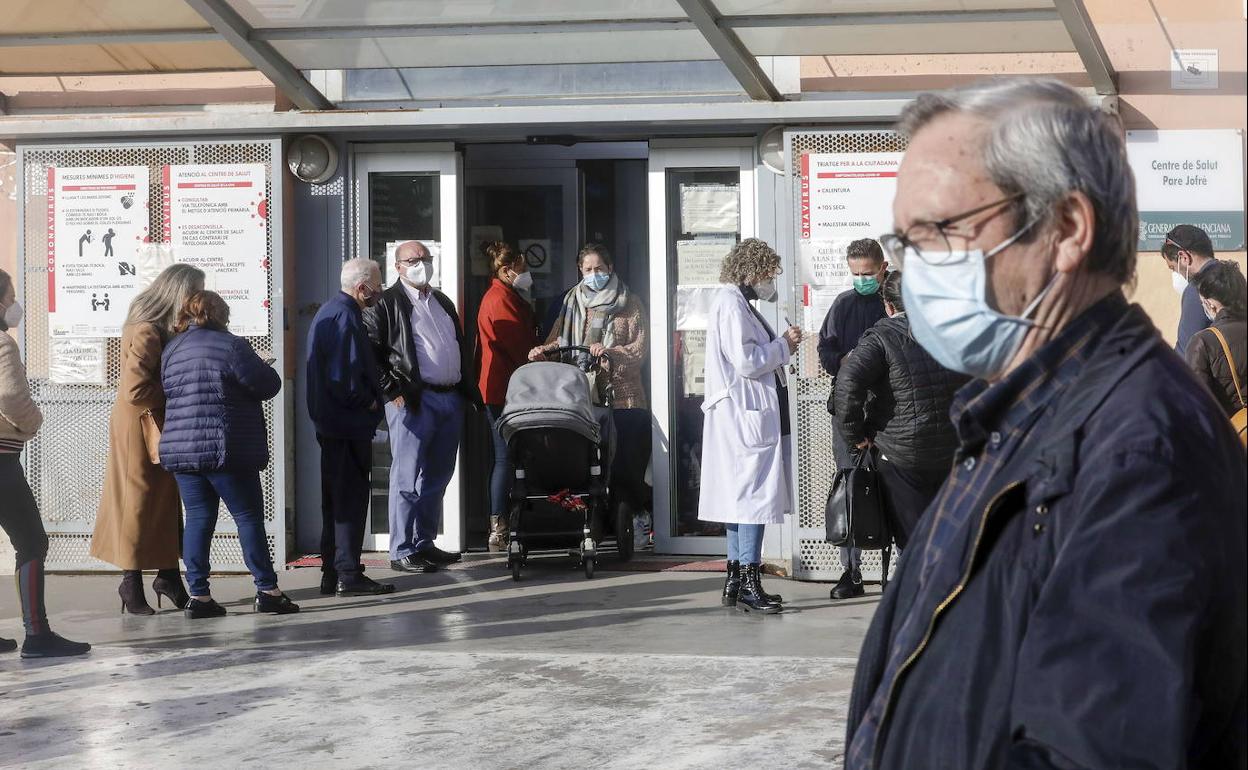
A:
[13,314]
[766,290]
[419,274]
[1179,283]
[949,312]
[1210,313]
[522,281]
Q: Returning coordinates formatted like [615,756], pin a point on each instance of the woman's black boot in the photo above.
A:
[41,641]
[732,584]
[131,592]
[773,598]
[7,645]
[196,609]
[750,598]
[168,584]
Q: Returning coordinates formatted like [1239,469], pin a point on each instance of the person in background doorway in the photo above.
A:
[506,332]
[1222,291]
[215,443]
[851,314]
[746,447]
[1076,596]
[893,397]
[138,525]
[345,404]
[20,420]
[602,314]
[1188,251]
[418,343]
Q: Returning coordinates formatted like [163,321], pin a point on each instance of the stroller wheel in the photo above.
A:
[514,562]
[624,530]
[589,567]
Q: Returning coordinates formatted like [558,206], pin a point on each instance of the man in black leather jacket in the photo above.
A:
[906,418]
[418,342]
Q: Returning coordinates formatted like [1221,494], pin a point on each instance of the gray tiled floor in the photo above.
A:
[462,668]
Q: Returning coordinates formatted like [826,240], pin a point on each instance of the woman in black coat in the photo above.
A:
[893,396]
[215,443]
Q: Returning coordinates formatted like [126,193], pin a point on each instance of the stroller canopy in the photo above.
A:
[546,394]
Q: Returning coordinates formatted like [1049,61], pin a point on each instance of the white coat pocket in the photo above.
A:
[760,428]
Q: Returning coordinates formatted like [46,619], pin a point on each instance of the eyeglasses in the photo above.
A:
[930,240]
[412,262]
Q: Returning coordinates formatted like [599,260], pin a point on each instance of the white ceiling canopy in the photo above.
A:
[286,38]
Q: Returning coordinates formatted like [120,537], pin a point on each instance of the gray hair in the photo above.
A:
[357,271]
[160,303]
[1046,141]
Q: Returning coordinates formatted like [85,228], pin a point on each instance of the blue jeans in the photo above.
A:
[502,471]
[202,494]
[424,445]
[745,542]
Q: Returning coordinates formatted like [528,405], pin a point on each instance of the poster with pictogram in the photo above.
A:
[216,218]
[97,220]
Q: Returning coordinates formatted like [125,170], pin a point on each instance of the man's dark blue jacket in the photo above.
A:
[214,387]
[1099,617]
[851,314]
[344,386]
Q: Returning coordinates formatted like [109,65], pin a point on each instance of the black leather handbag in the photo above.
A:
[854,511]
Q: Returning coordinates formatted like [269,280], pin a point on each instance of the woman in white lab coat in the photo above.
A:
[745,440]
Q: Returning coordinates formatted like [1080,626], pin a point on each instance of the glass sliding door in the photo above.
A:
[701,205]
[409,195]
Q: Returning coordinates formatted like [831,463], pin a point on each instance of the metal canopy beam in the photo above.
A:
[262,56]
[730,50]
[356,32]
[1088,45]
[112,38]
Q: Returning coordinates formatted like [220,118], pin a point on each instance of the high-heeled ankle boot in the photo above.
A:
[750,597]
[40,641]
[732,584]
[133,600]
[168,583]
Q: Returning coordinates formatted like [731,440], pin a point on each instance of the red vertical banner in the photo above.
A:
[165,205]
[804,181]
[51,239]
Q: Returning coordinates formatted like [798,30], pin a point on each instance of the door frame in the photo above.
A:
[682,154]
[444,160]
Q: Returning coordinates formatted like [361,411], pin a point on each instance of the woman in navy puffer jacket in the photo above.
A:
[215,443]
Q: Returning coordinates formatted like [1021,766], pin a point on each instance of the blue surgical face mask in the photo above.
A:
[949,313]
[596,281]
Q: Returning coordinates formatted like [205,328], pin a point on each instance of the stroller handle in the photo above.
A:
[597,360]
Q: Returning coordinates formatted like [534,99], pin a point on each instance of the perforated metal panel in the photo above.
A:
[65,463]
[813,557]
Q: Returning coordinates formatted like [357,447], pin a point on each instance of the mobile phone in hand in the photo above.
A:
[270,361]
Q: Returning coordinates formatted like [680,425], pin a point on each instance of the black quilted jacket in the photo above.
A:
[891,390]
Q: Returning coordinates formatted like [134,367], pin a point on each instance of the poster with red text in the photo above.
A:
[97,222]
[843,197]
[216,218]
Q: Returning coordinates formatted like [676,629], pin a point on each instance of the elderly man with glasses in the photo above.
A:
[1075,595]
[418,342]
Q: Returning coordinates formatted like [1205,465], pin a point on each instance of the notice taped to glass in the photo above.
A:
[97,222]
[217,219]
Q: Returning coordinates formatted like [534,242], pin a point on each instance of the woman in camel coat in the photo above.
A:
[138,525]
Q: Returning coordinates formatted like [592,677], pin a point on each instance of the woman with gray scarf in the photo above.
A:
[600,313]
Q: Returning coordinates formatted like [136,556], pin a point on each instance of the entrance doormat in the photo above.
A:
[608,563]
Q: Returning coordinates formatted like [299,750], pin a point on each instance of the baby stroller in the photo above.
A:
[561,446]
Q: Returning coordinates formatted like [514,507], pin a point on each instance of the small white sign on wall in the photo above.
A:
[1194,68]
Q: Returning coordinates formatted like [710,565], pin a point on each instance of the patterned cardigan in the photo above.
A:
[627,354]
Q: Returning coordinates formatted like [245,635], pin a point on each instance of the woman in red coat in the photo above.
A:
[506,332]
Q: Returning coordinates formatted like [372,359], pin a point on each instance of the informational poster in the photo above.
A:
[1189,177]
[216,218]
[152,260]
[693,363]
[693,306]
[538,253]
[710,208]
[97,223]
[699,260]
[77,361]
[843,197]
[479,237]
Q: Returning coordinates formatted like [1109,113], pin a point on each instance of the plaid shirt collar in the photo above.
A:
[982,409]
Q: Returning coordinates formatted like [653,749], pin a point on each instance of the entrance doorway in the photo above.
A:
[547,201]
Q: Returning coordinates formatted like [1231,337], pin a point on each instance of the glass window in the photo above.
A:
[703,224]
[401,207]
